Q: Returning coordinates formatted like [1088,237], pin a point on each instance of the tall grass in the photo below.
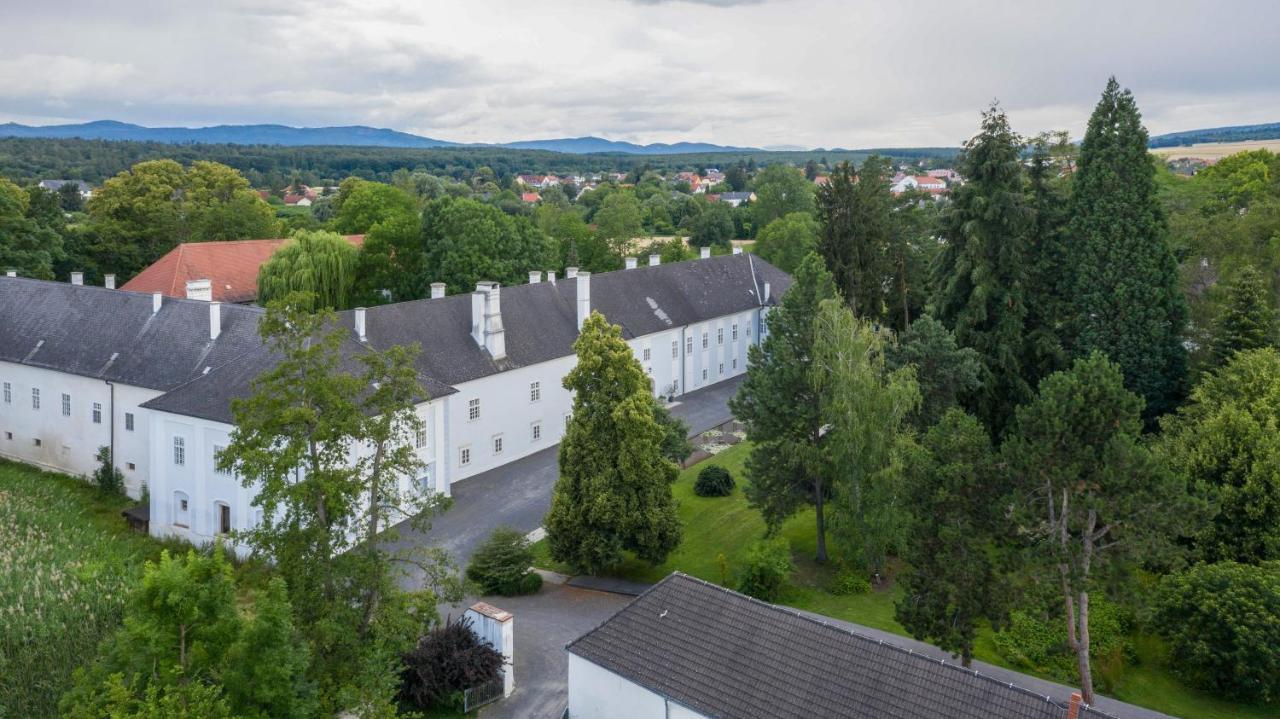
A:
[67,561]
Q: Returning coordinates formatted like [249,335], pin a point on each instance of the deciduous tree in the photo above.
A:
[319,264]
[781,190]
[786,241]
[468,241]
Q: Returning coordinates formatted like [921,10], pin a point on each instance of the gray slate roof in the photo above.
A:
[724,654]
[83,326]
[79,329]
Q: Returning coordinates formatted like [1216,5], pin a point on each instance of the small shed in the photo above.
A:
[139,517]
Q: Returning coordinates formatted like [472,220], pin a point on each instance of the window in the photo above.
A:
[748,331]
[217,450]
[224,518]
[181,510]
[535,431]
[497,444]
[647,356]
[704,340]
[719,335]
[721,369]
[8,393]
[704,375]
[675,349]
[35,398]
[128,421]
[735,363]
[688,345]
[464,456]
[535,391]
[131,466]
[97,413]
[179,451]
[567,417]
[734,334]
[473,409]
[8,435]
[420,437]
[37,442]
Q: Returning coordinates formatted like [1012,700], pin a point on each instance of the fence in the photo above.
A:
[481,694]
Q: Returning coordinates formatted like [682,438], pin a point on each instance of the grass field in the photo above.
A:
[1215,150]
[66,562]
[726,526]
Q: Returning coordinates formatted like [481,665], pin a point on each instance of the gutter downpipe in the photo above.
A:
[111,450]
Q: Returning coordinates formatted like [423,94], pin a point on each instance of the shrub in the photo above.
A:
[1223,625]
[107,476]
[849,582]
[713,481]
[765,569]
[501,564]
[447,661]
[1039,642]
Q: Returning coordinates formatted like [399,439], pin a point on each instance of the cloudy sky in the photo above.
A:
[748,72]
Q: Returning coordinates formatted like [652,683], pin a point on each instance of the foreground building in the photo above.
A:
[687,649]
[153,377]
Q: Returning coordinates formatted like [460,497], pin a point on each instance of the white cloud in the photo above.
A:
[753,72]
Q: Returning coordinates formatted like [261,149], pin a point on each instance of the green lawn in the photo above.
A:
[717,532]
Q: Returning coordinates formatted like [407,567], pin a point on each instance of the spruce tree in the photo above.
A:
[856,218]
[1127,301]
[1247,320]
[981,273]
[778,402]
[614,491]
[1048,269]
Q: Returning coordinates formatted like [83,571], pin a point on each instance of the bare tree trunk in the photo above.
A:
[371,596]
[822,521]
[902,288]
[1082,651]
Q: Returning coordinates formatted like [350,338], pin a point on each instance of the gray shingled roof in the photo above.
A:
[723,654]
[113,335]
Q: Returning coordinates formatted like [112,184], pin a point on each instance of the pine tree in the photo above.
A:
[614,491]
[779,405]
[1127,301]
[981,274]
[1247,321]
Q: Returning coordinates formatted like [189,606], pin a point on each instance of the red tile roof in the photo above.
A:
[530,196]
[231,267]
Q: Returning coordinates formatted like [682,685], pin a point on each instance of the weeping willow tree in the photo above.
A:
[317,262]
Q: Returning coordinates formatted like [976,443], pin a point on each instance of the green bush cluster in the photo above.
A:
[849,582]
[1222,622]
[714,481]
[765,569]
[501,564]
[1039,642]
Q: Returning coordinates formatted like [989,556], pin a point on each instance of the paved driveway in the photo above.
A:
[518,494]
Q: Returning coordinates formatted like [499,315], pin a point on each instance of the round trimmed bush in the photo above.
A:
[713,481]
[501,564]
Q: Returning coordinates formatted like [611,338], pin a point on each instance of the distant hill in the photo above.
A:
[1235,133]
[348,136]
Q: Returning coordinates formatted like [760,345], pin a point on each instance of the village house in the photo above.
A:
[153,377]
[733,199]
[924,183]
[86,190]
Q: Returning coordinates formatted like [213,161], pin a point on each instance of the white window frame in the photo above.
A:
[473,409]
[220,472]
[535,432]
[704,374]
[128,421]
[97,413]
[218,506]
[496,444]
[647,354]
[721,369]
[705,336]
[535,391]
[66,405]
[464,455]
[719,335]
[179,451]
[688,344]
[675,349]
[8,393]
[420,437]
[35,398]
[734,334]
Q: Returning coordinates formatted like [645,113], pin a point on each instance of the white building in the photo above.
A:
[152,377]
[689,649]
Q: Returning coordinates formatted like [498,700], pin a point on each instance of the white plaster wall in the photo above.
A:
[597,693]
[70,443]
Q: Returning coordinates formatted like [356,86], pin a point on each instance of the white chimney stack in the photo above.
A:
[655,260]
[551,276]
[767,290]
[437,290]
[200,290]
[156,299]
[77,278]
[706,252]
[215,320]
[570,272]
[737,250]
[631,263]
[109,281]
[584,296]
[494,333]
[535,277]
[359,321]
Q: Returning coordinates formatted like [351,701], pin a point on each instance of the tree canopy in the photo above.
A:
[320,264]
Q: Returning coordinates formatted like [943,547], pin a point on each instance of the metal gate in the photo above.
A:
[481,694]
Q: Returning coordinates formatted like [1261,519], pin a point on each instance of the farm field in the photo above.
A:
[719,530]
[1215,150]
[66,562]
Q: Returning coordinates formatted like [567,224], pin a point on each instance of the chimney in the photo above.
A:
[359,321]
[477,312]
[534,277]
[109,281]
[437,290]
[584,296]
[77,278]
[655,260]
[570,272]
[631,262]
[705,252]
[10,273]
[1073,708]
[155,302]
[493,336]
[551,276]
[737,250]
[767,290]
[215,320]
[200,290]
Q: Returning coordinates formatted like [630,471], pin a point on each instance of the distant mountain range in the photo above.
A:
[350,135]
[1234,133]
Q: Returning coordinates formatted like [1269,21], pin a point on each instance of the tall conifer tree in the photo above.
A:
[1127,301]
[1247,321]
[856,212]
[1048,281]
[981,273]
